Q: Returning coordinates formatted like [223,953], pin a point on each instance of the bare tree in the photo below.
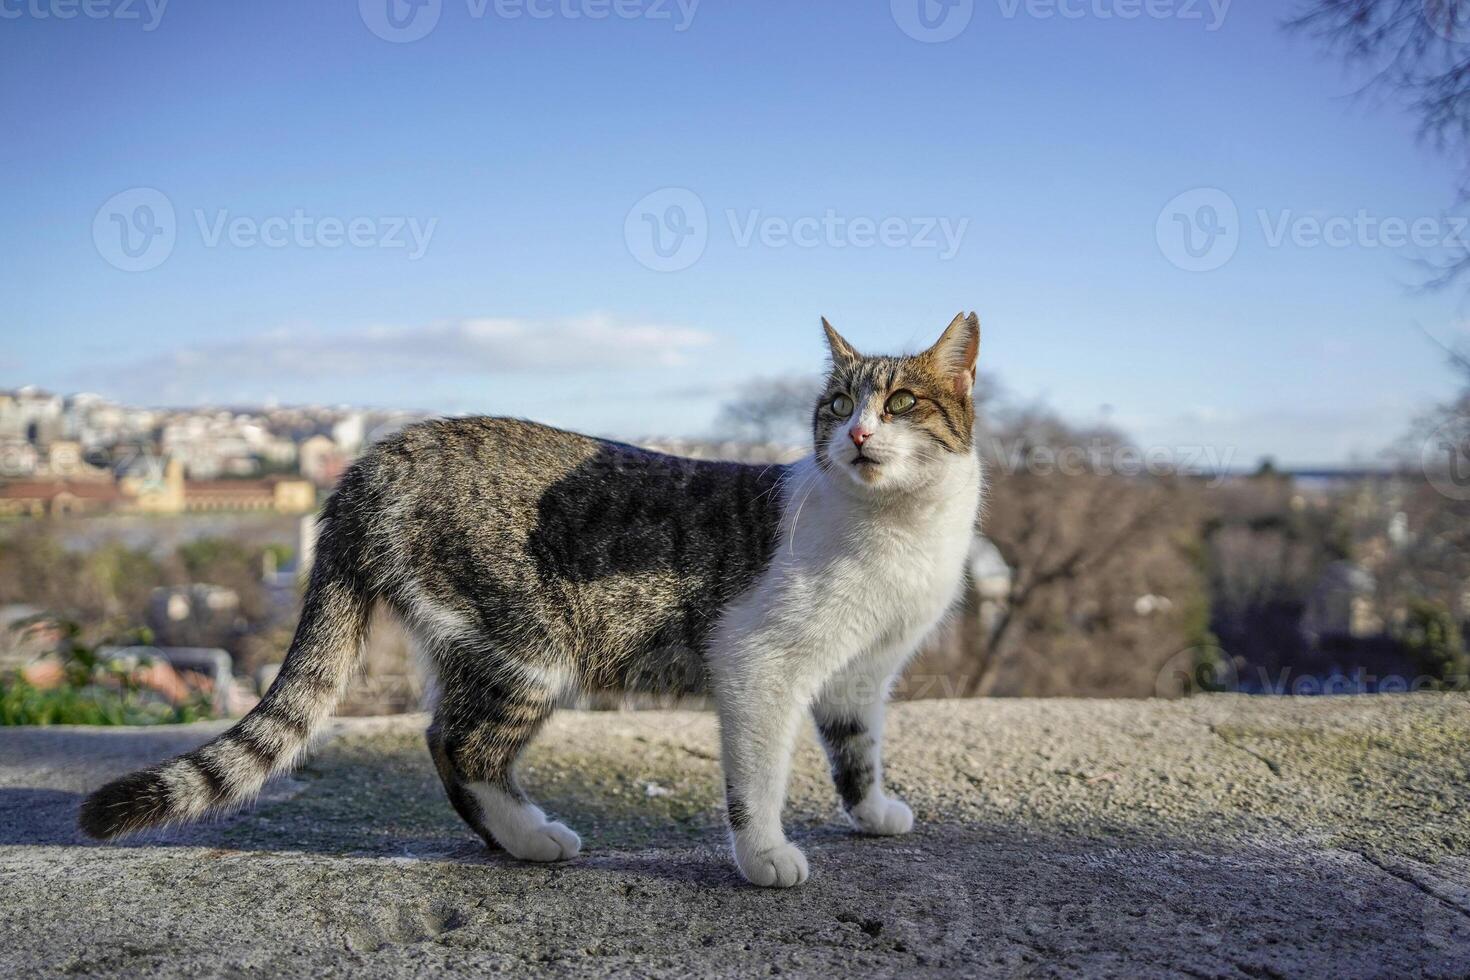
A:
[1434,558]
[1086,538]
[1083,547]
[771,410]
[1417,52]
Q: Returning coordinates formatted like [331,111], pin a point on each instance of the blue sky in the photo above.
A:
[491,173]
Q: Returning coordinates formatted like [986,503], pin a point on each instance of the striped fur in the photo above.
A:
[526,561]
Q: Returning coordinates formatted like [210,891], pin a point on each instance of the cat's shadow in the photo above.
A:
[37,817]
[40,817]
[286,821]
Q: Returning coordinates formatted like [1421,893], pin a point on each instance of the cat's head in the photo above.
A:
[897,423]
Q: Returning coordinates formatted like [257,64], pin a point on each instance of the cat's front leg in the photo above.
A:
[758,725]
[849,714]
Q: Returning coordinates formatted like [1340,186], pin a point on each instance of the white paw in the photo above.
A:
[882,816]
[549,842]
[775,867]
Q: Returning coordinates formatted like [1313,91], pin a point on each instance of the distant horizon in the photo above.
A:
[1380,464]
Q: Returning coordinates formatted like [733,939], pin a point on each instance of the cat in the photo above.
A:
[526,561]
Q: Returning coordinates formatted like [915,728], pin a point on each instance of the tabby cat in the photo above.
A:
[527,562]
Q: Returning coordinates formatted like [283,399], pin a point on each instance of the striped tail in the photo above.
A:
[231,769]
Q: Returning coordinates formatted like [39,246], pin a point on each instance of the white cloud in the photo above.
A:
[477,346]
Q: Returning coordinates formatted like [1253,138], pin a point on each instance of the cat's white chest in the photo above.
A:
[856,579]
[906,576]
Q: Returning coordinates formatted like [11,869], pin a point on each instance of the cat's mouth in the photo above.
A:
[867,467]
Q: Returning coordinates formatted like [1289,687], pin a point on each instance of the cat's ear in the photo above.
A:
[842,352]
[955,352]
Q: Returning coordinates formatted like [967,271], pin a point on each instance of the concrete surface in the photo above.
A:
[1216,837]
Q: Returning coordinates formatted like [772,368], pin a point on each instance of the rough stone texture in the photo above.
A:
[1215,837]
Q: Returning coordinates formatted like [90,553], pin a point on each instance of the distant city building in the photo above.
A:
[155,487]
[350,433]
[47,437]
[212,446]
[57,498]
[279,494]
[30,414]
[18,458]
[65,461]
[145,490]
[85,454]
[322,461]
[278,452]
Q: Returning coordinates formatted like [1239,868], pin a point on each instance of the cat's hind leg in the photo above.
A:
[459,797]
[480,728]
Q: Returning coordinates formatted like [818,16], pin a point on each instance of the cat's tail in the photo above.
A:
[232,768]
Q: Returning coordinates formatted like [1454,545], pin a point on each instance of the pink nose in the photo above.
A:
[859,435]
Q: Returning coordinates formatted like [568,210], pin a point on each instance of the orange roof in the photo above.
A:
[48,489]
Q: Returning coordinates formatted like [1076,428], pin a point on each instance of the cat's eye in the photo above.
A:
[841,406]
[900,402]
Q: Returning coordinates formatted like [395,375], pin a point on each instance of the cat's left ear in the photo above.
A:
[955,352]
[842,352]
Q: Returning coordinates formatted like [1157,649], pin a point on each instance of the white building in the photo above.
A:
[31,414]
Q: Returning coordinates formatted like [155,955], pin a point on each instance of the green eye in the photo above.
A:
[841,406]
[900,402]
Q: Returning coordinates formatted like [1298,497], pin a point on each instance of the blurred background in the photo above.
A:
[1219,251]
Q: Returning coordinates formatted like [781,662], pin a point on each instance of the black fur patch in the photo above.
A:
[735,809]
[131,803]
[256,749]
[548,544]
[850,750]
[464,804]
[837,731]
[217,778]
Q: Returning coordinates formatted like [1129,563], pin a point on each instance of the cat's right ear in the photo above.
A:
[842,352]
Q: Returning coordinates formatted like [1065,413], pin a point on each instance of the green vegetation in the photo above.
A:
[92,691]
[280,554]
[106,586]
[1433,639]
